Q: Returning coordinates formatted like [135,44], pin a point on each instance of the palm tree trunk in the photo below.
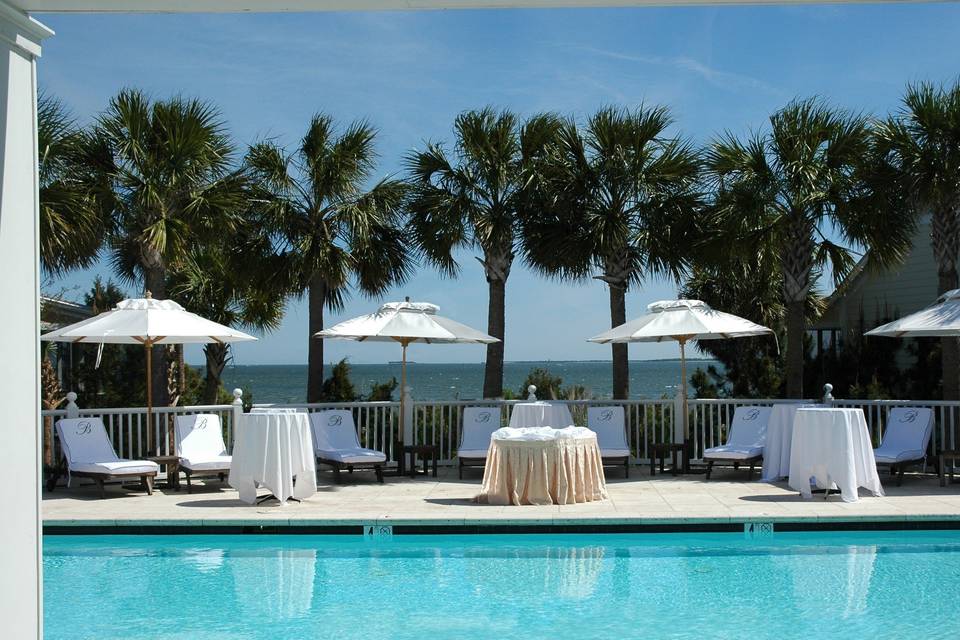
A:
[216,359]
[797,263]
[621,366]
[496,311]
[945,238]
[317,298]
[155,281]
[796,326]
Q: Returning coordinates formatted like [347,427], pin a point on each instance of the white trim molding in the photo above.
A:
[281,6]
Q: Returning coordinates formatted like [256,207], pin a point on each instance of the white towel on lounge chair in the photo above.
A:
[199,442]
[610,426]
[335,438]
[87,449]
[748,434]
[478,424]
[907,436]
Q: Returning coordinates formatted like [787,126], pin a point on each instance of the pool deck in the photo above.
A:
[662,501]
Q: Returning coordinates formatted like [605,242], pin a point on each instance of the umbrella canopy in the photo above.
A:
[686,319]
[148,322]
[941,319]
[406,322]
[143,320]
[682,320]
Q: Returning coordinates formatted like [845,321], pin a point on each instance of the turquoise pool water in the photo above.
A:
[810,585]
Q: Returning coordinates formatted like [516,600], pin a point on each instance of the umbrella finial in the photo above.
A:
[148,295]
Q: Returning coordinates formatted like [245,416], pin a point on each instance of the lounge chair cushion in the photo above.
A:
[85,440]
[335,438]
[353,456]
[610,426]
[116,467]
[614,453]
[478,424]
[903,456]
[732,452]
[206,464]
[907,435]
[748,435]
[200,437]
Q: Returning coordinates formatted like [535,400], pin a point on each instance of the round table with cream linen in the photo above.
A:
[543,466]
[540,414]
[273,450]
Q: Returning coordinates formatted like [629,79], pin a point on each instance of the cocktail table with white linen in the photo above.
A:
[273,450]
[541,465]
[540,414]
[832,447]
[776,450]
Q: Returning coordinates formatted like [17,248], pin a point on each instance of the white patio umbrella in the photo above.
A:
[148,322]
[406,322]
[682,320]
[941,319]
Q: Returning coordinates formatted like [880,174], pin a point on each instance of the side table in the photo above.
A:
[426,452]
[660,450]
[947,455]
[172,463]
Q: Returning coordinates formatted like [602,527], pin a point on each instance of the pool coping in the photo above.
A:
[415,526]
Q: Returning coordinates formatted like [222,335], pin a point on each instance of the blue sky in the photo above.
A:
[723,68]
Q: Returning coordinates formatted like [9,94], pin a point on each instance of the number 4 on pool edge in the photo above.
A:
[378,532]
[757,530]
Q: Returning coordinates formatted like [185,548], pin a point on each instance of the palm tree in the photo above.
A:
[806,188]
[922,145]
[238,281]
[750,286]
[169,184]
[71,224]
[475,197]
[332,229]
[621,202]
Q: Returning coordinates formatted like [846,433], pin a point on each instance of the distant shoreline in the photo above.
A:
[391,362]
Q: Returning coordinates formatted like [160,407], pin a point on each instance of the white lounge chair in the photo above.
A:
[336,444]
[88,453]
[906,439]
[745,441]
[478,424]
[200,446]
[611,428]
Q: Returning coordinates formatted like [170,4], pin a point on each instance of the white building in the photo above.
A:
[869,297]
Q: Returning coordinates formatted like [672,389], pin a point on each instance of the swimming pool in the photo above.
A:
[792,585]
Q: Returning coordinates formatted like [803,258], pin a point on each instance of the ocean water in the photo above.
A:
[848,586]
[462,381]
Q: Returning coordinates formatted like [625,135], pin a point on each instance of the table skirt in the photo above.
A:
[562,471]
[273,450]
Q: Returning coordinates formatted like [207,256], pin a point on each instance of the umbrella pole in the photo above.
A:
[149,348]
[687,444]
[403,395]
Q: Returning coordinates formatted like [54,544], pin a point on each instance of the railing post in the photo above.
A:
[827,393]
[237,412]
[407,417]
[73,411]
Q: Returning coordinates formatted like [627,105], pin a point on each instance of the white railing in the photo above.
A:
[438,422]
[127,427]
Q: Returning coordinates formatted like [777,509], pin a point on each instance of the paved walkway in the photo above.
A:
[447,500]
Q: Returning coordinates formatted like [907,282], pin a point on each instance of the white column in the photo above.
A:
[21,586]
